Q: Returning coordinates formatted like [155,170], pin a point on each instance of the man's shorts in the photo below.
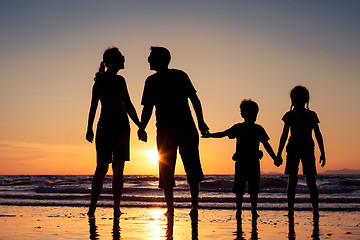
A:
[307,159]
[169,139]
[112,141]
[251,176]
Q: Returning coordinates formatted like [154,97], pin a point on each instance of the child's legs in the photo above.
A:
[314,196]
[239,201]
[292,182]
[97,184]
[253,200]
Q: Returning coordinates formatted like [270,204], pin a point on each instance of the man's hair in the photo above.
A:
[249,109]
[161,55]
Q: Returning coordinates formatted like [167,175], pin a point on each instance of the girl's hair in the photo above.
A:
[300,96]
[110,56]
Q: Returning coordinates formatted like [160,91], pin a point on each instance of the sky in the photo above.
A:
[231,50]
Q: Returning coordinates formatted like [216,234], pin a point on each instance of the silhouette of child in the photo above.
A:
[248,136]
[301,122]
[113,129]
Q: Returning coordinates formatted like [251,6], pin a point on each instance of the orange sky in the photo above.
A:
[231,51]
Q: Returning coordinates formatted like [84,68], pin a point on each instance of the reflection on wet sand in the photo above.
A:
[94,235]
[292,234]
[239,232]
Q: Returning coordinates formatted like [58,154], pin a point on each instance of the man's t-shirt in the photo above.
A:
[169,91]
[302,122]
[248,137]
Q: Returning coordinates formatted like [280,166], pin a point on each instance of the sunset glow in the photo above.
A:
[231,50]
[153,156]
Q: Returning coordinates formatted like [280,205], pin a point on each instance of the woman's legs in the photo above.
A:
[117,185]
[97,184]
[293,178]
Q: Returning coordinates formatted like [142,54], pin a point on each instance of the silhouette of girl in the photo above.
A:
[301,122]
[113,129]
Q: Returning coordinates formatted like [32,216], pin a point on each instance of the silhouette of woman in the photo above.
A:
[113,129]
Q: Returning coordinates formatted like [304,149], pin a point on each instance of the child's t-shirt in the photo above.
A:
[301,121]
[248,137]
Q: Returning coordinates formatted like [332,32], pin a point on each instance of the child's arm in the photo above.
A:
[320,142]
[283,138]
[216,135]
[271,152]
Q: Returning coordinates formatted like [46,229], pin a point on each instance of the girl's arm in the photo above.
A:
[92,112]
[320,142]
[283,138]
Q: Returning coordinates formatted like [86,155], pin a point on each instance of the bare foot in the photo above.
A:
[117,213]
[194,212]
[91,214]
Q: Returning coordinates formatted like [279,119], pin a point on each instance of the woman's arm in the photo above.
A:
[92,112]
[130,109]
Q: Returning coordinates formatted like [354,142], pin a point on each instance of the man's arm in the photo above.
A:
[145,118]
[204,129]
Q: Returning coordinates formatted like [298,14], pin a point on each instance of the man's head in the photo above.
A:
[249,110]
[159,58]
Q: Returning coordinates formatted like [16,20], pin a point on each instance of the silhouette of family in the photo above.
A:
[168,91]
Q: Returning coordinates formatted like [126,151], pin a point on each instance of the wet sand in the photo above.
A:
[23,222]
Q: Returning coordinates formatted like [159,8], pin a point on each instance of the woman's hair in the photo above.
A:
[110,56]
[300,96]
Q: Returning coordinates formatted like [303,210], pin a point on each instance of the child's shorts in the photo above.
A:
[307,159]
[251,176]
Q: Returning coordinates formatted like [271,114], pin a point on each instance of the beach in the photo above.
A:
[42,222]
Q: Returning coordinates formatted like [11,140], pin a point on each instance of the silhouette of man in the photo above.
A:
[169,90]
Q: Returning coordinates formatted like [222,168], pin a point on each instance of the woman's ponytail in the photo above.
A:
[101,71]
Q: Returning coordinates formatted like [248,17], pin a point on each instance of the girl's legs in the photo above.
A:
[239,200]
[169,198]
[97,184]
[117,186]
[291,193]
[253,199]
[314,196]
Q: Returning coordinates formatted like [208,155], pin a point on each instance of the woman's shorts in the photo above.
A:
[112,141]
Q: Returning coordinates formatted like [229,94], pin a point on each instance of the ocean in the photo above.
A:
[336,192]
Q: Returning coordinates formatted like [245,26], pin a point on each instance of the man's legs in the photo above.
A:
[194,191]
[169,198]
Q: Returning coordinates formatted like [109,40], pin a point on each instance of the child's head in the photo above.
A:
[249,110]
[299,96]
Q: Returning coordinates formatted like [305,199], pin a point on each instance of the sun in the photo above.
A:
[153,156]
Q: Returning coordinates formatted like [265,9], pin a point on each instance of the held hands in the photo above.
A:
[322,160]
[142,135]
[278,161]
[204,129]
[90,135]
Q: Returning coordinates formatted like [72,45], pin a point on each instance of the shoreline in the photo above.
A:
[40,222]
